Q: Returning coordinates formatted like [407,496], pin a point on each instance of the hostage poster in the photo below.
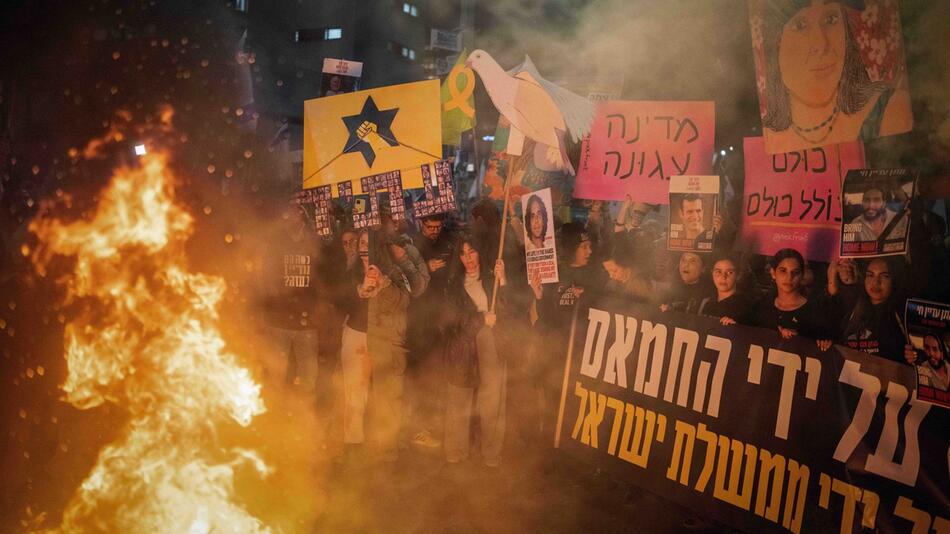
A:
[540,251]
[928,331]
[694,202]
[340,76]
[876,212]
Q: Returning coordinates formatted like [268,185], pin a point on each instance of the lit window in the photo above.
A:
[318,34]
[402,50]
[241,5]
[410,9]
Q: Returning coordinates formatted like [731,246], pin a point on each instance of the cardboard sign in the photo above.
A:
[829,73]
[635,147]
[694,201]
[875,212]
[928,331]
[367,133]
[793,200]
[540,250]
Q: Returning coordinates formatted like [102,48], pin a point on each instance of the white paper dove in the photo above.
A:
[536,108]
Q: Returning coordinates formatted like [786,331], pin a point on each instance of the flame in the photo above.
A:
[146,338]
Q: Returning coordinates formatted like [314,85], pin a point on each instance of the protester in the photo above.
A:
[405,254]
[688,291]
[627,276]
[843,288]
[556,304]
[873,324]
[289,299]
[729,304]
[789,311]
[631,215]
[373,349]
[424,369]
[475,363]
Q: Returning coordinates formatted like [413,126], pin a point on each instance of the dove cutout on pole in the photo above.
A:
[536,108]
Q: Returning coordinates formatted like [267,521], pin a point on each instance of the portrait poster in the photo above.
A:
[694,202]
[340,76]
[635,147]
[540,251]
[793,199]
[928,332]
[829,73]
[875,212]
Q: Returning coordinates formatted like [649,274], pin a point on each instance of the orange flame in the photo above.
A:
[147,338]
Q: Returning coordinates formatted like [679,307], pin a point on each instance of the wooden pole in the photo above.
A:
[567,376]
[501,238]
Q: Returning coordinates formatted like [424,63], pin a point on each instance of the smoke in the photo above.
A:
[674,50]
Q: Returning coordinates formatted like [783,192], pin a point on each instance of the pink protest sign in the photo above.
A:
[793,200]
[634,147]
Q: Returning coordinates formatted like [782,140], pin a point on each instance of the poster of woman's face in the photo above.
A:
[337,84]
[828,72]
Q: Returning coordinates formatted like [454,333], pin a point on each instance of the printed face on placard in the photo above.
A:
[536,227]
[932,350]
[691,213]
[873,203]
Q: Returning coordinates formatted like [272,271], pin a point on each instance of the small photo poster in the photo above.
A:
[340,76]
[875,216]
[540,251]
[694,202]
[928,330]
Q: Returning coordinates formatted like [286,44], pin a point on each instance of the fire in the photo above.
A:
[146,337]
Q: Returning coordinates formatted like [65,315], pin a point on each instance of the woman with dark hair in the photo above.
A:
[729,304]
[789,311]
[536,223]
[373,350]
[474,362]
[817,88]
[627,276]
[689,289]
[873,324]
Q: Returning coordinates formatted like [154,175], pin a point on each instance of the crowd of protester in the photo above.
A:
[438,341]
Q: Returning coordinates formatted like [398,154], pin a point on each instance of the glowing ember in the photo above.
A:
[146,338]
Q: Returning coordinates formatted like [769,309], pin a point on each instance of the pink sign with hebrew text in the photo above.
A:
[793,200]
[635,146]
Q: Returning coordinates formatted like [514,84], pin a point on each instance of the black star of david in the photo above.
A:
[383,119]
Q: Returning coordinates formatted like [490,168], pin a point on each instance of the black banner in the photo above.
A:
[752,430]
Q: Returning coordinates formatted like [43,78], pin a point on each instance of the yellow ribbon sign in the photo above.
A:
[460,98]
